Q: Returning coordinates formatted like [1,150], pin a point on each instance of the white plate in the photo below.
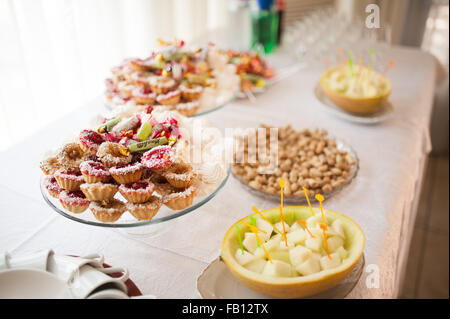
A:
[217,282]
[32,284]
[385,112]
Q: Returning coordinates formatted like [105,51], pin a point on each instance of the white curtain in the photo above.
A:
[55,54]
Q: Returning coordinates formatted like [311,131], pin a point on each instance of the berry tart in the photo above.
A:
[52,186]
[89,141]
[126,174]
[170,98]
[69,179]
[159,158]
[73,201]
[188,108]
[144,95]
[94,172]
[191,92]
[107,211]
[138,192]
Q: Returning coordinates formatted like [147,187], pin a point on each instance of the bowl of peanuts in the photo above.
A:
[305,158]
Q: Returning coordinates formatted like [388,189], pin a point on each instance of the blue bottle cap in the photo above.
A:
[265,4]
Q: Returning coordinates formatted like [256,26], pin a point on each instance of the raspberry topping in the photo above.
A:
[137,187]
[75,198]
[159,157]
[51,184]
[94,168]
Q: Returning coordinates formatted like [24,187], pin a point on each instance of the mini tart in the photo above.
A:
[139,65]
[73,201]
[50,165]
[138,192]
[110,155]
[90,141]
[180,198]
[127,173]
[94,172]
[141,78]
[107,212]
[191,92]
[97,192]
[188,108]
[180,175]
[70,156]
[69,179]
[159,158]
[144,95]
[161,84]
[162,186]
[52,186]
[170,98]
[145,211]
[125,88]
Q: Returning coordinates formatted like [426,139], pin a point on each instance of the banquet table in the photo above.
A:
[382,198]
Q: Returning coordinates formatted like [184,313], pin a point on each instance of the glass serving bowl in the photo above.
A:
[127,220]
[340,145]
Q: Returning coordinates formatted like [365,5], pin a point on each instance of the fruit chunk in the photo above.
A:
[277,269]
[314,243]
[250,242]
[334,243]
[281,255]
[313,221]
[299,255]
[259,253]
[279,226]
[245,258]
[338,227]
[256,265]
[273,243]
[342,252]
[308,267]
[267,227]
[332,262]
[283,246]
[144,131]
[296,236]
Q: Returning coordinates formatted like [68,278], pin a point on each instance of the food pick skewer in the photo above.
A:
[239,238]
[262,216]
[325,61]
[253,227]
[339,55]
[324,228]
[390,65]
[303,223]
[281,182]
[253,221]
[320,199]
[264,248]
[307,198]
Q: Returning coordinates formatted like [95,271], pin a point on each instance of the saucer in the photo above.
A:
[32,284]
[217,282]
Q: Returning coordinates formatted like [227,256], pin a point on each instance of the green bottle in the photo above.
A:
[264,27]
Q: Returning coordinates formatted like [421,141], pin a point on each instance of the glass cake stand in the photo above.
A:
[201,112]
[341,146]
[127,223]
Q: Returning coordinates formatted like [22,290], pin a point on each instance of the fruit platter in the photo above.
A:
[192,81]
[128,167]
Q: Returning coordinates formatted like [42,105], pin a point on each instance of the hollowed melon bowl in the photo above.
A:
[355,104]
[300,286]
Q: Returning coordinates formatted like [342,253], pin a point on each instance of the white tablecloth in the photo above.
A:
[381,199]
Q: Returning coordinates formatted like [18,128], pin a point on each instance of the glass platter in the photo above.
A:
[385,112]
[201,112]
[127,220]
[340,145]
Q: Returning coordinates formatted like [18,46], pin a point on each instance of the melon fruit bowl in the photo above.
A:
[359,90]
[302,268]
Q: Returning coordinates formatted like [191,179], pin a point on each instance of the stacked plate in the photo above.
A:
[45,275]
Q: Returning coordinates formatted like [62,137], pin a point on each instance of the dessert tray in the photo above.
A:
[126,220]
[217,282]
[45,275]
[299,198]
[193,81]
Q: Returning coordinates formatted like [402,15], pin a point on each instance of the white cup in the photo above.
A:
[37,260]
[88,279]
[65,267]
[109,294]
